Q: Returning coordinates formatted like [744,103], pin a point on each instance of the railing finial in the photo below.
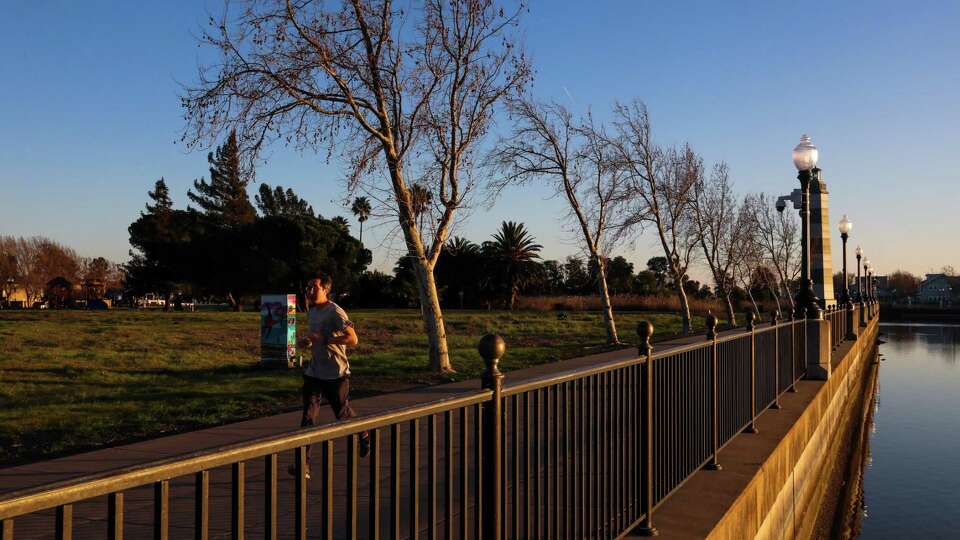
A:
[644,332]
[711,322]
[492,348]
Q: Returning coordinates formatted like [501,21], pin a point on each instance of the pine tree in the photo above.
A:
[160,197]
[277,202]
[225,197]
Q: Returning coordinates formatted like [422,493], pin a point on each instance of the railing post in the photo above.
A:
[711,323]
[793,352]
[492,349]
[751,319]
[645,332]
[774,322]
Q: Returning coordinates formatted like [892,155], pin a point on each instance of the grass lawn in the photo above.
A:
[76,380]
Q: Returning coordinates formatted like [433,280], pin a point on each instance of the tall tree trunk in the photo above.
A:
[605,300]
[756,309]
[433,319]
[776,297]
[513,297]
[684,303]
[731,314]
[361,232]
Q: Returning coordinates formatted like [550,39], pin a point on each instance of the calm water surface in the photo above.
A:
[911,482]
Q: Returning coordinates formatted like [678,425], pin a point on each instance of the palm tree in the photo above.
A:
[515,250]
[361,209]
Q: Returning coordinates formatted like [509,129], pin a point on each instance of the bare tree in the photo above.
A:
[722,230]
[660,190]
[777,235]
[574,158]
[395,93]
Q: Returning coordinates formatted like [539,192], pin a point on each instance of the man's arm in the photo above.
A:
[349,337]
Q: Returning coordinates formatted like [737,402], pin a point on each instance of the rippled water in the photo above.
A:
[911,478]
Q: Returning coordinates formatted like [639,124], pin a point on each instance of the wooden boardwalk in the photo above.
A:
[90,516]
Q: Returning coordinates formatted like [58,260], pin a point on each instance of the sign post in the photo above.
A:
[278,329]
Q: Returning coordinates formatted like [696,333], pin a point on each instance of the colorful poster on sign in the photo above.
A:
[278,329]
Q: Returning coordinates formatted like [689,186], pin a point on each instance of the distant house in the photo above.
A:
[13,298]
[935,289]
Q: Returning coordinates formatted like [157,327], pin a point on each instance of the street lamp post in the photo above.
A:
[845,227]
[805,157]
[859,253]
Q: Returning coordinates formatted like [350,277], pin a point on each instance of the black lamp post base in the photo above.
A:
[713,467]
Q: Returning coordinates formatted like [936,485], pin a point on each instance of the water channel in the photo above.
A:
[909,478]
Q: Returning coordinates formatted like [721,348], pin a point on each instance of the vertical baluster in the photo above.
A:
[353,459]
[464,473]
[6,529]
[448,443]
[375,482]
[201,505]
[557,513]
[414,477]
[432,477]
[621,460]
[479,507]
[395,480]
[515,450]
[114,517]
[590,394]
[527,522]
[237,510]
[535,463]
[161,509]
[548,434]
[583,416]
[606,445]
[776,362]
[793,352]
[270,497]
[569,457]
[64,525]
[327,489]
[300,492]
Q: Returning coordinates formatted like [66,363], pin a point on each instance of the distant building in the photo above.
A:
[935,289]
[13,298]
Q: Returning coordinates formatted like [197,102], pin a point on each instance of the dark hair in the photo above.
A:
[324,278]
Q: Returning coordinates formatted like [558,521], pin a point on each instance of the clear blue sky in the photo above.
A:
[89,111]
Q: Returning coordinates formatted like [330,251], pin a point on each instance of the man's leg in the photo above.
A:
[337,392]
[312,399]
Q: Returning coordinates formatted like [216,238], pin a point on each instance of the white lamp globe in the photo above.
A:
[805,154]
[859,251]
[845,225]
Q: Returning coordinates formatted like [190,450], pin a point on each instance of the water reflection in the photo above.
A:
[909,476]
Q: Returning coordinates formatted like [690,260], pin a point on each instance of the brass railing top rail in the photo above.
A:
[51,495]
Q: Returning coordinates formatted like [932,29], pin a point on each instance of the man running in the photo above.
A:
[328,375]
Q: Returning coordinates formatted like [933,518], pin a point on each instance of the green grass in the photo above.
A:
[76,380]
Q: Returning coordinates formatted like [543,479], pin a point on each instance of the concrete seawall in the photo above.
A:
[775,483]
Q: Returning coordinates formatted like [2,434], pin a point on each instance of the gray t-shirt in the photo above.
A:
[328,361]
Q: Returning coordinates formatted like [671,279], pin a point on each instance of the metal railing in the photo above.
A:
[589,452]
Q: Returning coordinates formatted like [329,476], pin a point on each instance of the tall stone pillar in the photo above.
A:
[821,271]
